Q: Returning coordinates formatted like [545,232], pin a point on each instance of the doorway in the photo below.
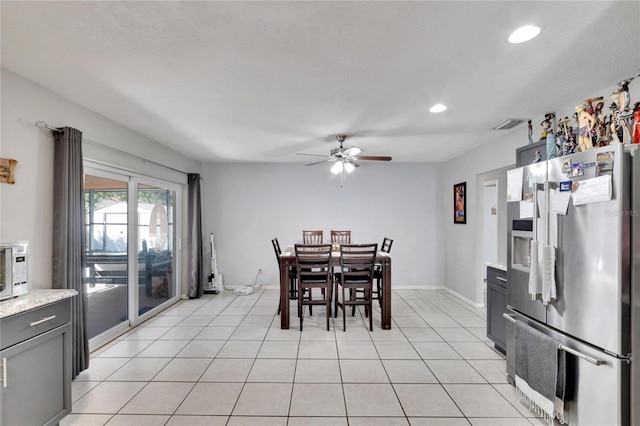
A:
[490,223]
[491,232]
[131,234]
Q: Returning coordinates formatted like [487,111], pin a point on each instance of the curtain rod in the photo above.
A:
[144,160]
[43,125]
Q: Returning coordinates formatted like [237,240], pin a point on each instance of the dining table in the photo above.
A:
[288,261]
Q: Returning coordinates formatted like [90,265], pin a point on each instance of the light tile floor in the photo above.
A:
[223,360]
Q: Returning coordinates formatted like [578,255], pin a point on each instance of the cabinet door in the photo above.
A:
[527,154]
[37,389]
[496,306]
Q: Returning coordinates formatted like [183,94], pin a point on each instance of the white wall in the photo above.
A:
[26,206]
[246,205]
[461,271]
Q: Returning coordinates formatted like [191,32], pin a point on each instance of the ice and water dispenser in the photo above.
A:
[521,236]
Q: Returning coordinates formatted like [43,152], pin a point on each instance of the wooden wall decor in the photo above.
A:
[6,170]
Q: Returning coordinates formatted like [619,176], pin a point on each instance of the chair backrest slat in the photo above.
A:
[313,262]
[386,245]
[312,237]
[276,249]
[341,237]
[357,261]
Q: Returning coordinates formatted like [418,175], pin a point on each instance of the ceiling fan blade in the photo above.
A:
[328,160]
[371,158]
[313,155]
[352,152]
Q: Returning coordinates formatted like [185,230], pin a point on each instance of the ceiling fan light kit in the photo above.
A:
[343,165]
[345,158]
[337,168]
[349,167]
[523,34]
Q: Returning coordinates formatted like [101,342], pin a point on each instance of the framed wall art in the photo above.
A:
[460,203]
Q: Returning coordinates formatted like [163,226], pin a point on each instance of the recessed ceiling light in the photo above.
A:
[438,108]
[523,34]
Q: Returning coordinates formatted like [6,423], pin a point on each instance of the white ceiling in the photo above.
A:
[260,81]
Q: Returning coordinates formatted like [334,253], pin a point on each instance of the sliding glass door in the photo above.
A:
[106,204]
[156,245]
[131,229]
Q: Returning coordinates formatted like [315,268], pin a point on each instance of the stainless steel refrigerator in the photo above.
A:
[596,312]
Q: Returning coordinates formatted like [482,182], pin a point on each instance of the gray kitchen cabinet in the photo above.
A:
[36,365]
[496,306]
[526,155]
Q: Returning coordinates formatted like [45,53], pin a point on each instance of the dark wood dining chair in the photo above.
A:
[340,237]
[357,263]
[312,237]
[293,292]
[313,263]
[377,273]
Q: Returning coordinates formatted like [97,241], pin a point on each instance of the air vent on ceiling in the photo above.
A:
[509,123]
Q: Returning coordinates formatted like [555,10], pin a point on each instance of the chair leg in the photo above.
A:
[366,307]
[300,293]
[353,295]
[335,304]
[344,311]
[328,305]
[293,293]
[368,296]
[379,286]
[370,308]
[279,306]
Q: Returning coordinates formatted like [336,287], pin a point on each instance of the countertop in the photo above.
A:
[499,266]
[33,299]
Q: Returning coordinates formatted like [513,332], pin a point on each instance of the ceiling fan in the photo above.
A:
[345,158]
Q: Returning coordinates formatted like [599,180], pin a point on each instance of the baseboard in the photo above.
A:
[464,299]
[270,287]
[412,287]
[395,287]
[417,287]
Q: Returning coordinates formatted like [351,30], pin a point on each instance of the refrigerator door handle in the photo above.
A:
[534,218]
[543,215]
[509,317]
[587,358]
[562,347]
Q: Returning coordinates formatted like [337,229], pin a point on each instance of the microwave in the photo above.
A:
[14,268]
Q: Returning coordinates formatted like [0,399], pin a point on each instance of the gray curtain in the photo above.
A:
[69,235]
[196,272]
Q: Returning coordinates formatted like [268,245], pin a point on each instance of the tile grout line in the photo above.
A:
[300,341]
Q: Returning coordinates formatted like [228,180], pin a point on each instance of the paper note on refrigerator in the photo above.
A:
[560,201]
[593,190]
[526,209]
[514,184]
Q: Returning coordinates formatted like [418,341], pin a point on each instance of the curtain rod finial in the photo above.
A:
[43,125]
